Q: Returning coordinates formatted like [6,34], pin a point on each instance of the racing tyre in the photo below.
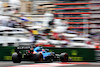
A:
[64,57]
[38,57]
[16,58]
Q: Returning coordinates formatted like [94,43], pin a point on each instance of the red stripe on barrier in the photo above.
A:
[75,63]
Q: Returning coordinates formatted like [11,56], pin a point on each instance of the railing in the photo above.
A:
[73,13]
[71,2]
[69,11]
[71,6]
[78,22]
[78,27]
[95,21]
[95,8]
[72,18]
[95,16]
[95,26]
[94,1]
[95,11]
[97,54]
[64,15]
[94,30]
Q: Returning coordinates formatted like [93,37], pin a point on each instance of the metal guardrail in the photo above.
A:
[97,55]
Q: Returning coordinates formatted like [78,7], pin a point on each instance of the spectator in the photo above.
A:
[14,23]
[4,22]
[32,38]
[51,23]
[10,24]
[46,31]
[56,35]
[0,23]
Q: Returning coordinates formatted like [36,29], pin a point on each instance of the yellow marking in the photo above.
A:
[77,58]
[7,58]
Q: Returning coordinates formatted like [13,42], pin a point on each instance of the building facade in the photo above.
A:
[40,6]
[26,6]
[75,13]
[95,18]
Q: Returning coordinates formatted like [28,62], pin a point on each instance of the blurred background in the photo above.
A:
[37,21]
[50,23]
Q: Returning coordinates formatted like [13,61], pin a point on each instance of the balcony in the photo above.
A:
[94,1]
[94,11]
[95,21]
[72,8]
[71,3]
[72,17]
[95,16]
[74,13]
[45,3]
[78,22]
[78,27]
[94,30]
[95,8]
[96,26]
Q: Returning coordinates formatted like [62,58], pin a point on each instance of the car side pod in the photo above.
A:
[64,57]
[16,57]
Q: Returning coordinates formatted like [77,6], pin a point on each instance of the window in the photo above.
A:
[1,34]
[10,44]
[78,41]
[0,44]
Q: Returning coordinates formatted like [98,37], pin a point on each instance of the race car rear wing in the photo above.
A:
[17,49]
[23,48]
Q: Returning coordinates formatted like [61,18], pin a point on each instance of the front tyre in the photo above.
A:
[16,58]
[64,57]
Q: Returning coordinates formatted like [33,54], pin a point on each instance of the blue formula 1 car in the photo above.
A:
[37,54]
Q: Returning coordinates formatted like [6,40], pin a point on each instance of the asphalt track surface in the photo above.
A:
[54,64]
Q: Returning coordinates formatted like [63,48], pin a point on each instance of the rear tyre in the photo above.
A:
[64,57]
[16,58]
[38,57]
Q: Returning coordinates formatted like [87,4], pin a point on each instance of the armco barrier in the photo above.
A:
[77,54]
[97,55]
[6,52]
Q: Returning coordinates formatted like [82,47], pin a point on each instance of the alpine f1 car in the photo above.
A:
[37,54]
